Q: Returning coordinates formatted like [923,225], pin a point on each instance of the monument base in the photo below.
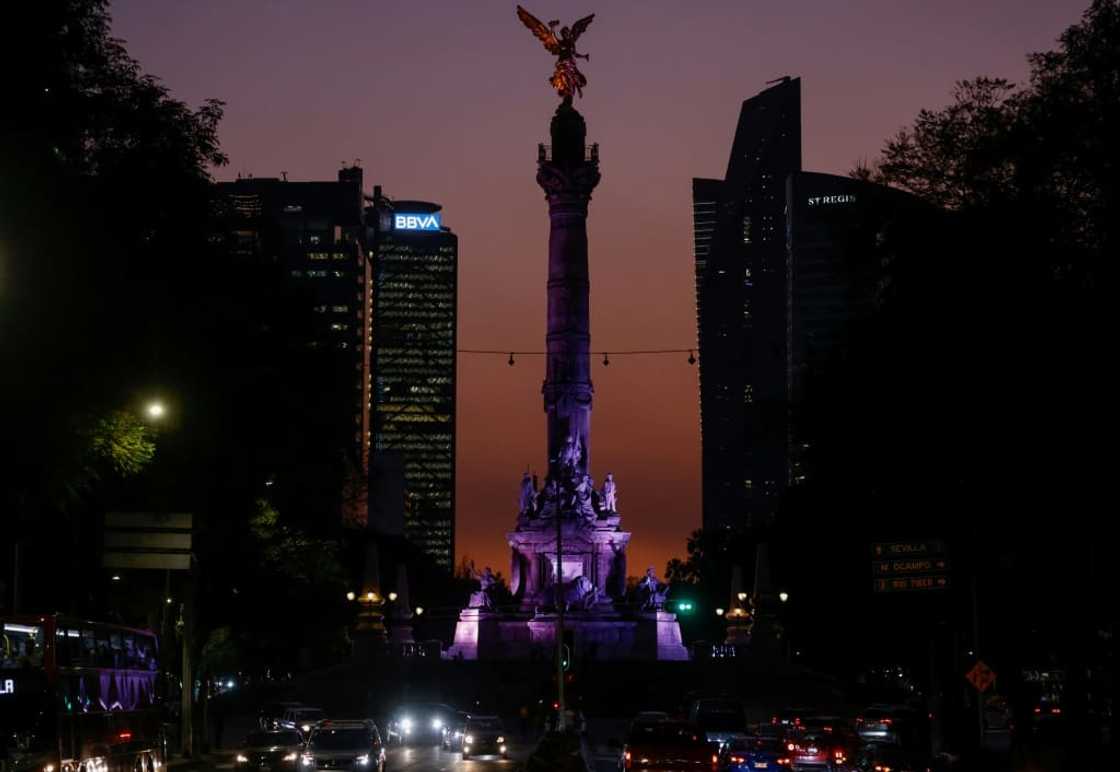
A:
[605,636]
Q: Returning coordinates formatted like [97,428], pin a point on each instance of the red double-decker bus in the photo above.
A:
[78,696]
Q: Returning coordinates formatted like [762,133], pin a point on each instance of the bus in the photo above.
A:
[78,696]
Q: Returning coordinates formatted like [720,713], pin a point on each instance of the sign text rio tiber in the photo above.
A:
[416,222]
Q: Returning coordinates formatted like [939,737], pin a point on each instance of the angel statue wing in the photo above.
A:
[543,32]
[581,26]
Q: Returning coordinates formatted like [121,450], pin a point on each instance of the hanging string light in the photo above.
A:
[606,356]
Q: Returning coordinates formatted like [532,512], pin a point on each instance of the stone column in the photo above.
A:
[568,174]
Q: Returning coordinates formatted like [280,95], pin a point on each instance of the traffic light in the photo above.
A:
[684,606]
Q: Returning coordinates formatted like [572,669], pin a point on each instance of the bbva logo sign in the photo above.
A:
[416,222]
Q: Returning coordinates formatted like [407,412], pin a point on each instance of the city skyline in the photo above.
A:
[463,144]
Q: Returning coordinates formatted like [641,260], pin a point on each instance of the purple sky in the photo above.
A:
[446,100]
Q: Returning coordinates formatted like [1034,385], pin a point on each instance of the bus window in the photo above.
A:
[21,646]
[61,650]
[89,649]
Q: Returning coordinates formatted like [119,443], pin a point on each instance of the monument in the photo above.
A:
[568,548]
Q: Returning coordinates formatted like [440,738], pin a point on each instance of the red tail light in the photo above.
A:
[715,761]
[738,760]
[1038,710]
[783,761]
[125,735]
[1056,711]
[627,760]
[887,721]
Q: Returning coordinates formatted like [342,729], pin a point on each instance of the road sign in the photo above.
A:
[907,549]
[909,566]
[148,540]
[906,583]
[981,676]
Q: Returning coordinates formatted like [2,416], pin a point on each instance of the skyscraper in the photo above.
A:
[306,241]
[785,261]
[413,337]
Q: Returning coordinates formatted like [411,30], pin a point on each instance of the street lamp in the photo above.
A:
[392,596]
[155,409]
[783,596]
[719,612]
[350,596]
[742,597]
[419,610]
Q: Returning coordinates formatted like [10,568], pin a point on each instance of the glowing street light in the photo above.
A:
[419,610]
[350,596]
[155,409]
[392,596]
[783,596]
[719,612]
[742,597]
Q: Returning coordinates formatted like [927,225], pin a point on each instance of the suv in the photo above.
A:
[484,735]
[345,745]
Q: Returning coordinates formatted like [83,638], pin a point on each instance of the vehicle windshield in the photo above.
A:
[307,715]
[263,739]
[763,744]
[341,739]
[484,725]
[666,733]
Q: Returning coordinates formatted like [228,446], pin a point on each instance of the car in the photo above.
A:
[344,745]
[791,718]
[754,752]
[885,724]
[420,722]
[272,750]
[301,718]
[818,751]
[668,745]
[452,737]
[269,716]
[484,736]
[877,757]
[651,715]
[721,718]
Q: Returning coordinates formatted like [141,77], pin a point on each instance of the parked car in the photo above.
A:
[346,745]
[272,750]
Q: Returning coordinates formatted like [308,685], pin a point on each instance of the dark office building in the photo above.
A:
[786,261]
[305,241]
[415,281]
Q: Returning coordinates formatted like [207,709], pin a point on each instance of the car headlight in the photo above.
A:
[363,759]
[468,739]
[437,724]
[406,724]
[501,749]
[291,756]
[501,739]
[308,760]
[306,727]
[242,758]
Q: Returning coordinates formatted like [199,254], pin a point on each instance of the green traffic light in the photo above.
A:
[684,605]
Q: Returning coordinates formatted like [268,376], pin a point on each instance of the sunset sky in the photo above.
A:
[446,100]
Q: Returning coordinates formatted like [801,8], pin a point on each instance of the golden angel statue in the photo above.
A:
[566,78]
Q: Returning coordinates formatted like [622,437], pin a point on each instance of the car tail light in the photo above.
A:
[886,722]
[783,761]
[1037,710]
[715,761]
[627,760]
[125,735]
[738,760]
[790,747]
